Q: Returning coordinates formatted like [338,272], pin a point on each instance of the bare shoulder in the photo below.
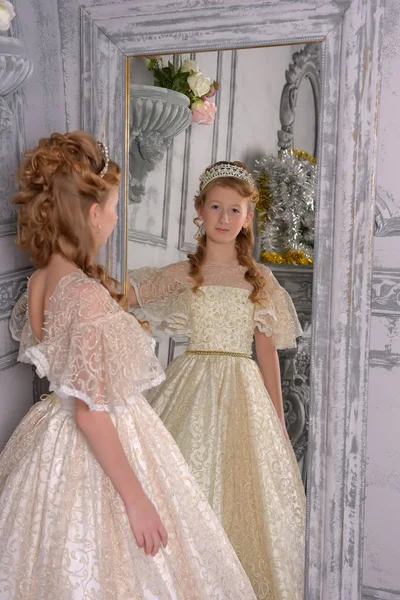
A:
[37,284]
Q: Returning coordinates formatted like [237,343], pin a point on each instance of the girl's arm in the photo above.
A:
[103,439]
[268,361]
[155,287]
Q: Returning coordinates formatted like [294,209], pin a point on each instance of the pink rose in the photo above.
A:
[212,92]
[204,112]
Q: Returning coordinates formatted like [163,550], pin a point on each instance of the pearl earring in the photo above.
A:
[200,229]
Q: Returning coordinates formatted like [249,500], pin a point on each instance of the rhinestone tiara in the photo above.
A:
[104,151]
[225,170]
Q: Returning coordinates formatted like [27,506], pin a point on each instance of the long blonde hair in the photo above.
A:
[244,240]
[59,181]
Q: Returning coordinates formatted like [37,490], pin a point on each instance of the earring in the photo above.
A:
[99,227]
[200,229]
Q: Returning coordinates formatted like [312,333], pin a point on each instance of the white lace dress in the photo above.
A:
[64,533]
[215,404]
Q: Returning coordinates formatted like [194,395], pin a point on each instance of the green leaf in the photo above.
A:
[162,81]
[167,72]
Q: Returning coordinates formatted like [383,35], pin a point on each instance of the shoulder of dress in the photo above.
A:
[264,269]
[267,274]
[78,285]
[182,265]
[179,270]
[84,294]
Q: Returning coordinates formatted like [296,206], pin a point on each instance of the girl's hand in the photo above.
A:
[146,525]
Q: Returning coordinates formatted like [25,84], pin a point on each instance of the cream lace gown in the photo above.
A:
[64,533]
[215,405]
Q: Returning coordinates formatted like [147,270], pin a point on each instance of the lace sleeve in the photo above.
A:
[276,315]
[162,295]
[19,317]
[100,354]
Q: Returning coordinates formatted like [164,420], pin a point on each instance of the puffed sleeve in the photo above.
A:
[95,351]
[162,294]
[275,313]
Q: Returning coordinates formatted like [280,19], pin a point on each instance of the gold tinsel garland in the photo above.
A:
[292,257]
[263,205]
[265,199]
[302,155]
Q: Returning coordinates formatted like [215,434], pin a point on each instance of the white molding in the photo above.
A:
[8,360]
[385,298]
[387,219]
[8,228]
[371,593]
[174,343]
[384,359]
[12,285]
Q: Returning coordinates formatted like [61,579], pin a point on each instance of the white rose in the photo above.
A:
[7,14]
[189,65]
[199,85]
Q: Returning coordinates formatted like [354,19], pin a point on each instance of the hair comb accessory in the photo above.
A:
[225,170]
[104,151]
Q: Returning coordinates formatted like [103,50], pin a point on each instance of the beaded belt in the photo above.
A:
[219,353]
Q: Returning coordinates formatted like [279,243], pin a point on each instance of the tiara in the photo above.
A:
[104,151]
[225,170]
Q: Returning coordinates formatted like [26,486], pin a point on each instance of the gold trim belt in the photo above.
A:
[219,353]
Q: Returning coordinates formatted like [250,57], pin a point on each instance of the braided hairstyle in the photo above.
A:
[59,181]
[244,240]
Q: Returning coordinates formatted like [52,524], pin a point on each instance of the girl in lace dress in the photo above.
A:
[224,411]
[96,501]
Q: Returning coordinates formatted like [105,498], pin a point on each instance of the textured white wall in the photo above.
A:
[37,24]
[382,520]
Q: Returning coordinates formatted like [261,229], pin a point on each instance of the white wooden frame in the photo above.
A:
[350,33]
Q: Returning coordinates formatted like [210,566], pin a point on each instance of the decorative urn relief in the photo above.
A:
[157,115]
[15,70]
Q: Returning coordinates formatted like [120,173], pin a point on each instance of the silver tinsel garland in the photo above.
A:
[287,218]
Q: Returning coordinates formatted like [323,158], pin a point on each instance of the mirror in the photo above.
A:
[304,129]
[255,116]
[341,281]
[256,119]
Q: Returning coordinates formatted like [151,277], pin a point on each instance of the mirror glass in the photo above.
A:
[258,106]
[305,124]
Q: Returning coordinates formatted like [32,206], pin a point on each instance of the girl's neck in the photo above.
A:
[220,253]
[58,260]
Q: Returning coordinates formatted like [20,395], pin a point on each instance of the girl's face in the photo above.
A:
[104,217]
[224,213]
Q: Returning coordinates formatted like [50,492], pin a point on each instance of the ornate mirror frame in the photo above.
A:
[351,55]
[306,64]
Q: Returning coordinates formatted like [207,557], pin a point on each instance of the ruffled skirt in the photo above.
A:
[64,533]
[219,413]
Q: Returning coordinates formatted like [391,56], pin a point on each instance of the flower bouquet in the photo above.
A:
[188,80]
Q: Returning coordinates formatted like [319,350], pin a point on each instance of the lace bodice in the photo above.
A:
[91,348]
[219,316]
